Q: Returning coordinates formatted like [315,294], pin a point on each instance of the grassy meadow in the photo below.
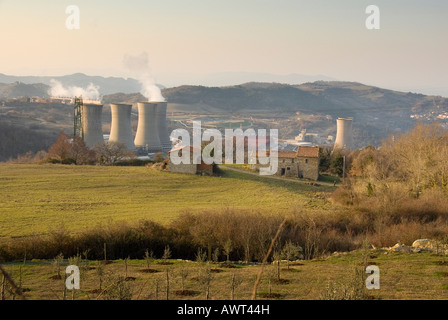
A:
[35,199]
[402,276]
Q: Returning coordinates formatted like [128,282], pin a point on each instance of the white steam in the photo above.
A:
[139,67]
[58,90]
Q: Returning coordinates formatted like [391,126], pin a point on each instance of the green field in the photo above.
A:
[34,199]
[402,276]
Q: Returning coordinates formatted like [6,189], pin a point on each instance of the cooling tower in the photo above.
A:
[161,126]
[91,124]
[147,135]
[121,129]
[344,135]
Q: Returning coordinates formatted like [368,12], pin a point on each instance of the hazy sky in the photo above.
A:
[207,36]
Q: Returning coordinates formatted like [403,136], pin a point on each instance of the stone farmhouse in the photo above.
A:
[303,164]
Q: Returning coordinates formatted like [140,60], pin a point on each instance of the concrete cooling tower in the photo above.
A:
[161,126]
[91,124]
[121,129]
[344,135]
[147,135]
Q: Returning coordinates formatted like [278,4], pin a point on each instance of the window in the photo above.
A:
[306,160]
[287,168]
[292,160]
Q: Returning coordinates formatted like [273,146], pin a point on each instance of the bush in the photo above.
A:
[251,233]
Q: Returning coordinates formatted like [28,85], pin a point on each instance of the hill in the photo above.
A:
[314,106]
[321,96]
[19,89]
[107,85]
[244,98]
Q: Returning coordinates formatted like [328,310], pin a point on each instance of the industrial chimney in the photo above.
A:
[161,126]
[121,129]
[91,124]
[147,135]
[344,135]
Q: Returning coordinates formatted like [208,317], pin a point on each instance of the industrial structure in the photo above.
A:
[121,129]
[344,134]
[147,136]
[77,119]
[91,123]
[152,133]
[161,126]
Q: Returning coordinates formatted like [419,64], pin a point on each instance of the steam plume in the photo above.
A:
[58,90]
[139,66]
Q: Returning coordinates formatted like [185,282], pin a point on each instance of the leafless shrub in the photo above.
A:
[351,289]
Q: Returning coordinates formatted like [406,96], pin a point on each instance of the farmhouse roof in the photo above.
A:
[308,152]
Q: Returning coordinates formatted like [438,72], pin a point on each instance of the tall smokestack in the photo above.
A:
[121,129]
[147,135]
[161,126]
[91,124]
[344,135]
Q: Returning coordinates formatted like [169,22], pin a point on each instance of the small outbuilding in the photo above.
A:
[201,168]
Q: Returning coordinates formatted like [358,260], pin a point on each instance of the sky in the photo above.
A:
[185,38]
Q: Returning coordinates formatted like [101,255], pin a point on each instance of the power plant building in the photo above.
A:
[91,124]
[344,135]
[121,129]
[147,135]
[152,133]
[161,126]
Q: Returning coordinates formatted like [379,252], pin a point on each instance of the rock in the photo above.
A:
[420,245]
[401,248]
[425,244]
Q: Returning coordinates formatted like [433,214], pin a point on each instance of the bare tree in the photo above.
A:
[291,251]
[215,255]
[166,253]
[100,274]
[109,153]
[205,278]
[277,256]
[149,258]
[57,262]
[201,256]
[183,273]
[71,150]
[126,263]
[228,247]
[80,153]
[61,149]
